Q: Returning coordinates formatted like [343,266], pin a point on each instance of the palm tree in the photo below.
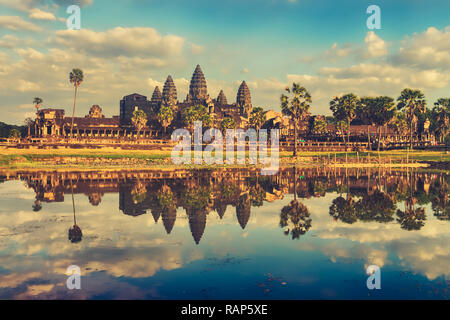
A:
[257,118]
[139,120]
[37,102]
[76,77]
[411,101]
[165,115]
[344,108]
[441,113]
[296,107]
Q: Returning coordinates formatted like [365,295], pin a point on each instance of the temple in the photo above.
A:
[53,124]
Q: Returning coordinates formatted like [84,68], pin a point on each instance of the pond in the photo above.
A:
[225,234]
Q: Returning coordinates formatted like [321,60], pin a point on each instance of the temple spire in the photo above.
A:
[197,88]
[221,98]
[169,93]
[156,96]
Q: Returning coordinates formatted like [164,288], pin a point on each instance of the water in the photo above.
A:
[225,234]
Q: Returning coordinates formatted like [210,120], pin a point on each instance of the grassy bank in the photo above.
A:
[86,158]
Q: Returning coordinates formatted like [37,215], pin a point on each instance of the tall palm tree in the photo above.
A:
[37,102]
[76,77]
[344,108]
[412,101]
[296,107]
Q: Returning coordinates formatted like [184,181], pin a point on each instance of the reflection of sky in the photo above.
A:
[132,257]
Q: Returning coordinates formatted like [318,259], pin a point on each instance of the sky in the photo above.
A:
[130,46]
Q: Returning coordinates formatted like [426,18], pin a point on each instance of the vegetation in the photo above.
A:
[165,115]
[296,106]
[257,118]
[37,102]
[227,123]
[196,113]
[139,120]
[413,102]
[76,77]
[379,111]
[441,115]
[344,109]
[5,130]
[319,126]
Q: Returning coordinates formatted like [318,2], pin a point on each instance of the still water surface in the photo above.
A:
[228,234]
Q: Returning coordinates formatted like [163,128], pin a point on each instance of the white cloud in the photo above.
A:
[430,49]
[38,14]
[16,23]
[133,42]
[375,46]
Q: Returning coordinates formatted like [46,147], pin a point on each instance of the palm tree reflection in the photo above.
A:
[75,234]
[295,217]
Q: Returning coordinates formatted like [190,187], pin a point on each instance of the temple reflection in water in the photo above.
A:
[362,194]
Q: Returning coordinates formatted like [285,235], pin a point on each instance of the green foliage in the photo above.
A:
[37,102]
[319,126]
[139,119]
[196,113]
[14,134]
[377,110]
[197,198]
[227,123]
[257,118]
[295,219]
[165,115]
[344,108]
[76,77]
[5,130]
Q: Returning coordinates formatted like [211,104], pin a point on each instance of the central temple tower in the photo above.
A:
[198,90]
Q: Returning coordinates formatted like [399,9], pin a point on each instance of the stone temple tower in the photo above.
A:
[244,100]
[198,90]
[169,93]
[156,96]
[221,99]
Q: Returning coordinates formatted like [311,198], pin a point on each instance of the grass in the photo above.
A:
[35,158]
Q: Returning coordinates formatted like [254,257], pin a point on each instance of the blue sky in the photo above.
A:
[132,45]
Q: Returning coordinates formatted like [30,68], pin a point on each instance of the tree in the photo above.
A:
[165,115]
[257,118]
[319,126]
[344,109]
[379,111]
[227,123]
[139,120]
[399,124]
[441,114]
[37,103]
[196,113]
[411,101]
[342,127]
[296,107]
[295,218]
[14,134]
[76,77]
